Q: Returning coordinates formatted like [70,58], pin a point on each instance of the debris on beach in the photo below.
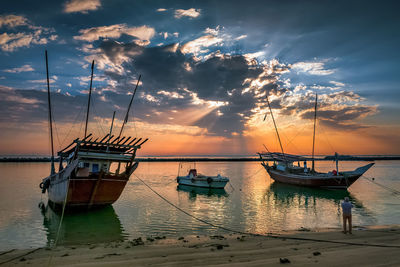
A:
[284,260]
[137,242]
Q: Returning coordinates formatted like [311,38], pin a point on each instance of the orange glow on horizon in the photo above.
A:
[178,139]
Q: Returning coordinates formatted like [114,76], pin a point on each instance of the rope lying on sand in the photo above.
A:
[264,235]
[17,257]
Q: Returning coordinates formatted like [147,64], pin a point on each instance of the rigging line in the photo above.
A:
[287,144]
[73,125]
[326,139]
[271,235]
[394,191]
[56,130]
[276,128]
[99,127]
[291,140]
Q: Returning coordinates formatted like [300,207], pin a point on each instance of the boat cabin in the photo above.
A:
[192,173]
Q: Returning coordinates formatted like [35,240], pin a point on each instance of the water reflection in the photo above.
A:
[194,191]
[82,227]
[285,193]
[293,196]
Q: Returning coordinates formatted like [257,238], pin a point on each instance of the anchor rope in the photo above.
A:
[270,235]
[59,226]
[392,190]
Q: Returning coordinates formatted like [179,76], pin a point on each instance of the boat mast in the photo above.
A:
[276,129]
[129,107]
[112,123]
[313,142]
[50,117]
[88,106]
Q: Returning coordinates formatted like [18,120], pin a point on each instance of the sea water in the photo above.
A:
[250,202]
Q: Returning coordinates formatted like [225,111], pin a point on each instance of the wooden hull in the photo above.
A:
[87,191]
[323,181]
[94,190]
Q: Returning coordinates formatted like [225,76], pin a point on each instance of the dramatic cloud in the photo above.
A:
[23,33]
[225,90]
[82,6]
[142,33]
[191,12]
[12,21]
[24,68]
[198,44]
[314,68]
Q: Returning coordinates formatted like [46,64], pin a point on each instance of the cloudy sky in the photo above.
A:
[206,68]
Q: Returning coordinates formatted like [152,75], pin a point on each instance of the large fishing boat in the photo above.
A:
[96,171]
[285,171]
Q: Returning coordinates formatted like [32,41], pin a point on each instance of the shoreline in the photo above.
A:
[208,159]
[367,246]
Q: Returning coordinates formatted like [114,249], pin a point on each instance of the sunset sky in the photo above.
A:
[207,67]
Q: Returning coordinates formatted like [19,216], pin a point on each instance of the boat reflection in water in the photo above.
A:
[194,191]
[94,226]
[286,195]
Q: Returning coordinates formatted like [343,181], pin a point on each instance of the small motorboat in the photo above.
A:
[200,180]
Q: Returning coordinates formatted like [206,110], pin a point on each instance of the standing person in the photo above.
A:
[346,210]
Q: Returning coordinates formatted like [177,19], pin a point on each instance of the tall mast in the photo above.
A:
[88,106]
[129,107]
[313,141]
[276,129]
[112,123]
[50,117]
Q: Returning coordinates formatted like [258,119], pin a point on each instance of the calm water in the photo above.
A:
[251,202]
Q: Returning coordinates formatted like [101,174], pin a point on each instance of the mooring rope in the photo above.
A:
[394,191]
[271,235]
[17,257]
[59,226]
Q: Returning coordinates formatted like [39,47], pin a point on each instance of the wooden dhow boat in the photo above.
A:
[284,170]
[96,171]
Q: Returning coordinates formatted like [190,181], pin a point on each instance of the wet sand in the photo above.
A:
[372,246]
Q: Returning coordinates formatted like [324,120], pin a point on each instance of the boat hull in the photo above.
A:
[87,191]
[93,190]
[334,182]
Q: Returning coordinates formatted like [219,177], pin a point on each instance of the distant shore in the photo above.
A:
[367,246]
[205,159]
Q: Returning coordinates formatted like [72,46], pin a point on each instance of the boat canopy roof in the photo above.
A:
[281,157]
[107,145]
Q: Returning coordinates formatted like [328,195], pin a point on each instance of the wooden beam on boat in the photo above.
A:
[136,142]
[84,139]
[120,140]
[104,138]
[133,140]
[113,141]
[73,142]
[104,143]
[143,142]
[127,139]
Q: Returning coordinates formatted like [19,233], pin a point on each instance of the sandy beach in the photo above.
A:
[370,246]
